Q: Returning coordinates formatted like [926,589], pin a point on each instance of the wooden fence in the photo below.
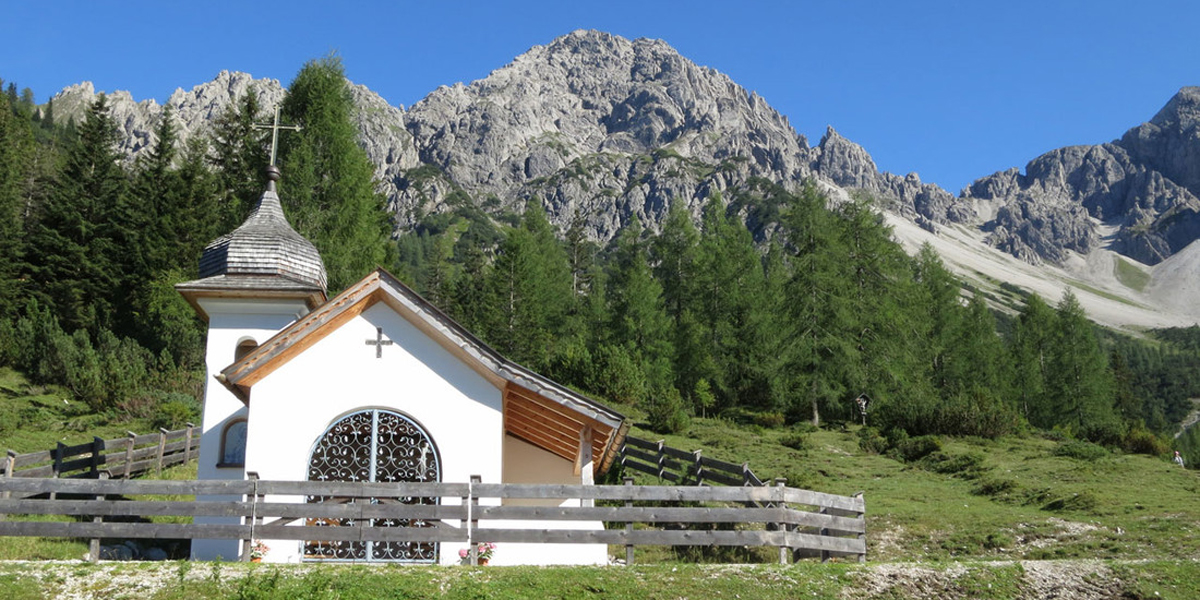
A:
[131,455]
[682,467]
[797,522]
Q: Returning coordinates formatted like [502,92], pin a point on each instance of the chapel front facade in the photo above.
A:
[377,385]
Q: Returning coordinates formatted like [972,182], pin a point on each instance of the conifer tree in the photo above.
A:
[638,319]
[1078,383]
[15,149]
[531,283]
[328,186]
[823,348]
[240,159]
[1031,352]
[74,260]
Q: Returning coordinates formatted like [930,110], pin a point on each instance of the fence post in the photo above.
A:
[662,459]
[252,519]
[782,527]
[187,447]
[97,449]
[629,526]
[162,447]
[699,468]
[94,544]
[57,467]
[9,465]
[129,453]
[745,473]
[824,510]
[862,516]
[474,521]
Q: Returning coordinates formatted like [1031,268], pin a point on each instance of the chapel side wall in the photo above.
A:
[292,407]
[526,463]
[230,322]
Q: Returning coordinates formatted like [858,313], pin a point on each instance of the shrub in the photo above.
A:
[1138,440]
[913,449]
[994,486]
[1080,450]
[794,440]
[967,466]
[665,410]
[770,420]
[804,427]
[1082,502]
[175,410]
[871,441]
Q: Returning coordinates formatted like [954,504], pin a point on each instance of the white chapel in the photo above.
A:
[375,384]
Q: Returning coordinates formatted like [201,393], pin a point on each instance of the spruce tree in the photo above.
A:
[79,250]
[328,182]
[638,319]
[16,148]
[240,159]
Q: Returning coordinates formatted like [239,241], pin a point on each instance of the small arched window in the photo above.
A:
[233,444]
[244,347]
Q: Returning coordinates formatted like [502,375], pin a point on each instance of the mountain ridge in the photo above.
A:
[616,129]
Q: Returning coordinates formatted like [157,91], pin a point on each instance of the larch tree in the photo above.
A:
[328,186]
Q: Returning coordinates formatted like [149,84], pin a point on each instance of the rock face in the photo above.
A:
[1144,185]
[613,129]
[591,123]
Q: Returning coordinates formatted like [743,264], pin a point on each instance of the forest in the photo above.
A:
[776,306]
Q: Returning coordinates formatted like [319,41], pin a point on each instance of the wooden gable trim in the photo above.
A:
[299,336]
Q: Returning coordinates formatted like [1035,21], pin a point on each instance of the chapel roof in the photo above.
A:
[263,255]
[536,408]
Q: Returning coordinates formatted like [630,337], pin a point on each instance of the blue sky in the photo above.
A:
[951,90]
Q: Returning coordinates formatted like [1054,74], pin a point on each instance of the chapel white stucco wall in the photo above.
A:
[231,321]
[526,463]
[291,408]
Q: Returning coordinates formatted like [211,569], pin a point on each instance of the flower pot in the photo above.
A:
[256,559]
[483,562]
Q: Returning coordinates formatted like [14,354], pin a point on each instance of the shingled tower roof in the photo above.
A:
[264,256]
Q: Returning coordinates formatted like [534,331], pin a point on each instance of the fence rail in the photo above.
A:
[797,522]
[682,467]
[131,455]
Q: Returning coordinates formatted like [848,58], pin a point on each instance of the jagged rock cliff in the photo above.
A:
[612,128]
[590,123]
[1144,186]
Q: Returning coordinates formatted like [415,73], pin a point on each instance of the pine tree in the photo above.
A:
[16,148]
[80,241]
[240,159]
[328,186]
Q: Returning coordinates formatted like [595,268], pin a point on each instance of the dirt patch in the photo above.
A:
[1037,580]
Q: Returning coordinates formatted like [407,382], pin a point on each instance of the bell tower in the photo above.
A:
[253,282]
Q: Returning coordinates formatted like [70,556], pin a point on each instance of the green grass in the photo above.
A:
[1024,502]
[35,417]
[1170,580]
[1130,276]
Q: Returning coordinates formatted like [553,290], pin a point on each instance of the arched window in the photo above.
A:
[244,347]
[380,446]
[233,444]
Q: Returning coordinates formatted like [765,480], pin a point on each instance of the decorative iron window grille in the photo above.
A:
[376,446]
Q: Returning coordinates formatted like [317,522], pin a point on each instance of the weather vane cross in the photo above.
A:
[275,127]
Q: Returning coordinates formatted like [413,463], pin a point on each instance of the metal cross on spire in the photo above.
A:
[275,127]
